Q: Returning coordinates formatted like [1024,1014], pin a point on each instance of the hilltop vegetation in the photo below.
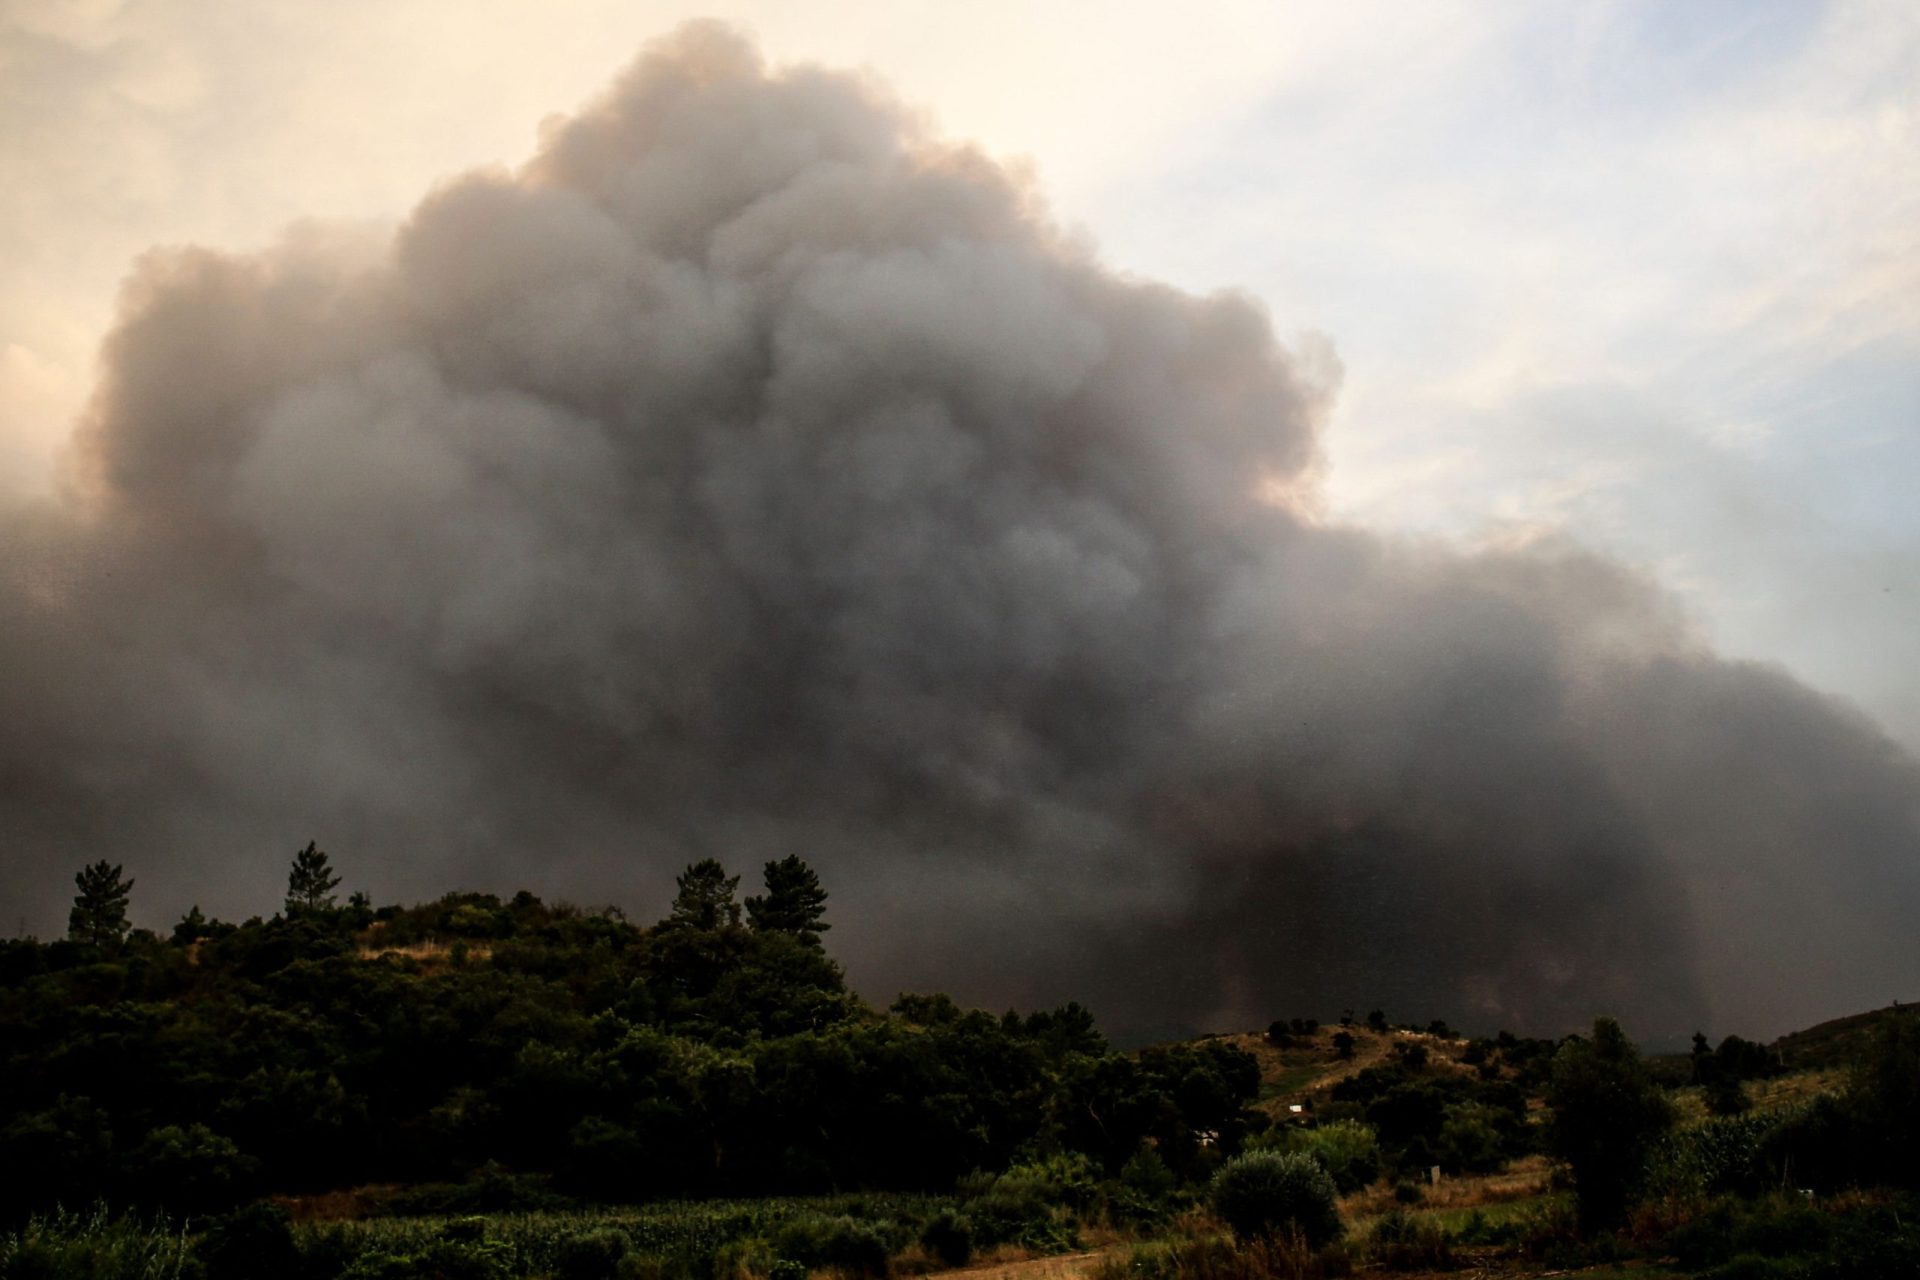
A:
[491,1088]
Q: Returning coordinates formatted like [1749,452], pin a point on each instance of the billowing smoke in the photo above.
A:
[753,473]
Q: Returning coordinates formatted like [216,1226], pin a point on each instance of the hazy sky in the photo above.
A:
[1644,271]
[561,467]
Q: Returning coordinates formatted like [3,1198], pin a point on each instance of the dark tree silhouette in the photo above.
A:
[1607,1113]
[794,902]
[99,914]
[705,897]
[311,882]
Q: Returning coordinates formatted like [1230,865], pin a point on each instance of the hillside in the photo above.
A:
[1837,1041]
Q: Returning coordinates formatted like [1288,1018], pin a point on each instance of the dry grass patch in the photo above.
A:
[432,951]
[1525,1179]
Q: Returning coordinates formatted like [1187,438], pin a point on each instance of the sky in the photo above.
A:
[1646,273]
[1483,581]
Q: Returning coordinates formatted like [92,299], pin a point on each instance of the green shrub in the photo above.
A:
[94,1245]
[1147,1191]
[845,1243]
[1724,1154]
[191,1169]
[1346,1149]
[1470,1139]
[593,1256]
[1402,1242]
[438,1260]
[1265,1194]
[1031,1204]
[948,1236]
[250,1243]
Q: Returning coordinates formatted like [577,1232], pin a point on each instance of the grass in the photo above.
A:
[1290,1081]
[1523,1180]
[1772,1094]
[97,1245]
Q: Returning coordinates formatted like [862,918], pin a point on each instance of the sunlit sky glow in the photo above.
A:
[1646,272]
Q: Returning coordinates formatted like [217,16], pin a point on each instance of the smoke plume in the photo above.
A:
[754,473]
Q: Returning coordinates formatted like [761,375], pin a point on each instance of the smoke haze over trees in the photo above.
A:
[755,473]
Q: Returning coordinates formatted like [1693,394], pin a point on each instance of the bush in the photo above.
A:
[1405,1243]
[437,1260]
[248,1244]
[1714,1156]
[1265,1194]
[948,1236]
[593,1256]
[1147,1188]
[855,1247]
[1470,1139]
[1346,1149]
[94,1245]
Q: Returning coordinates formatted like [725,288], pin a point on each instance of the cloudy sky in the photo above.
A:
[557,467]
[1646,272]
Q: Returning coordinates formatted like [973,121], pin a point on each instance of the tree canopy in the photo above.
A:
[311,881]
[705,897]
[99,914]
[793,903]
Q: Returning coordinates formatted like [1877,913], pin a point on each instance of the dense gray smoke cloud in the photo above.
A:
[753,473]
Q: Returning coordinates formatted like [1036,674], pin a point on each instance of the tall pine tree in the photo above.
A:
[794,902]
[311,882]
[705,897]
[99,914]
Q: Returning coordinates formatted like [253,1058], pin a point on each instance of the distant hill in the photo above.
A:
[1835,1042]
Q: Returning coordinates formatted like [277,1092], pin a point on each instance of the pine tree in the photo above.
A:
[99,914]
[192,926]
[311,882]
[794,902]
[705,897]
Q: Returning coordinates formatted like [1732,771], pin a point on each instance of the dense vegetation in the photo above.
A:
[558,1053]
[489,1088]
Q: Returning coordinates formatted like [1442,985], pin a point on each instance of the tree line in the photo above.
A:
[534,1050]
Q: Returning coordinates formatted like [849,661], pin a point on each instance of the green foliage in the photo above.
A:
[948,1236]
[1474,1138]
[310,882]
[95,1245]
[490,1055]
[1607,1115]
[1883,1093]
[1347,1149]
[1264,1194]
[1465,1125]
[1147,1187]
[592,1255]
[191,1168]
[1403,1242]
[705,898]
[253,1242]
[1785,1236]
[794,902]
[845,1244]
[1715,1156]
[99,914]
[1726,1097]
[1032,1204]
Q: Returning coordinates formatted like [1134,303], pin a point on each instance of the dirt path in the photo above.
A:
[1065,1266]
